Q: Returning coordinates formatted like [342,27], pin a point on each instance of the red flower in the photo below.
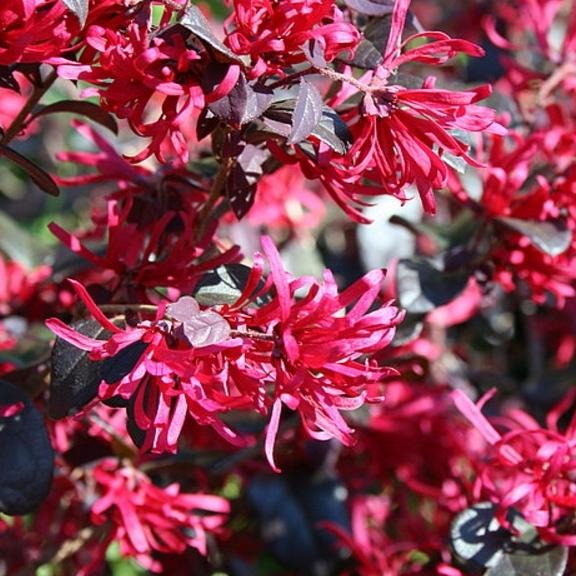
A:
[401,135]
[304,353]
[132,72]
[32,31]
[147,519]
[529,468]
[274,33]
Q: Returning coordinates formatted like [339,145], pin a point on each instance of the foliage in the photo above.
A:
[214,361]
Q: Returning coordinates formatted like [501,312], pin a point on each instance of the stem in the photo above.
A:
[20,121]
[215,192]
[121,308]
[339,77]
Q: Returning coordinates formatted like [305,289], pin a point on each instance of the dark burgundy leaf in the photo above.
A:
[87,109]
[196,22]
[307,112]
[225,285]
[371,7]
[423,285]
[231,108]
[121,364]
[42,179]
[552,237]
[479,541]
[244,103]
[476,536]
[333,131]
[242,180]
[75,378]
[291,511]
[7,79]
[183,309]
[370,52]
[206,124]
[25,452]
[366,56]
[551,562]
[79,7]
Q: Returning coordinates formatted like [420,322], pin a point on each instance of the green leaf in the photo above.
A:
[551,237]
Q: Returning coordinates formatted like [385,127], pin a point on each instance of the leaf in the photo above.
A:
[422,285]
[196,22]
[79,8]
[8,80]
[370,52]
[206,329]
[366,56]
[307,112]
[121,364]
[25,452]
[477,537]
[201,328]
[479,540]
[331,129]
[244,103]
[243,178]
[41,178]
[371,7]
[206,124]
[87,109]
[551,237]
[75,378]
[552,562]
[290,511]
[314,52]
[18,244]
[225,285]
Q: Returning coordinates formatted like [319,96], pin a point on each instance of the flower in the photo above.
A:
[527,467]
[146,518]
[306,353]
[275,33]
[33,31]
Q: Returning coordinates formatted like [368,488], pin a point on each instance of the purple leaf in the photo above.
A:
[307,112]
[88,109]
[25,452]
[184,309]
[200,328]
[206,329]
[195,22]
[371,7]
[41,178]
